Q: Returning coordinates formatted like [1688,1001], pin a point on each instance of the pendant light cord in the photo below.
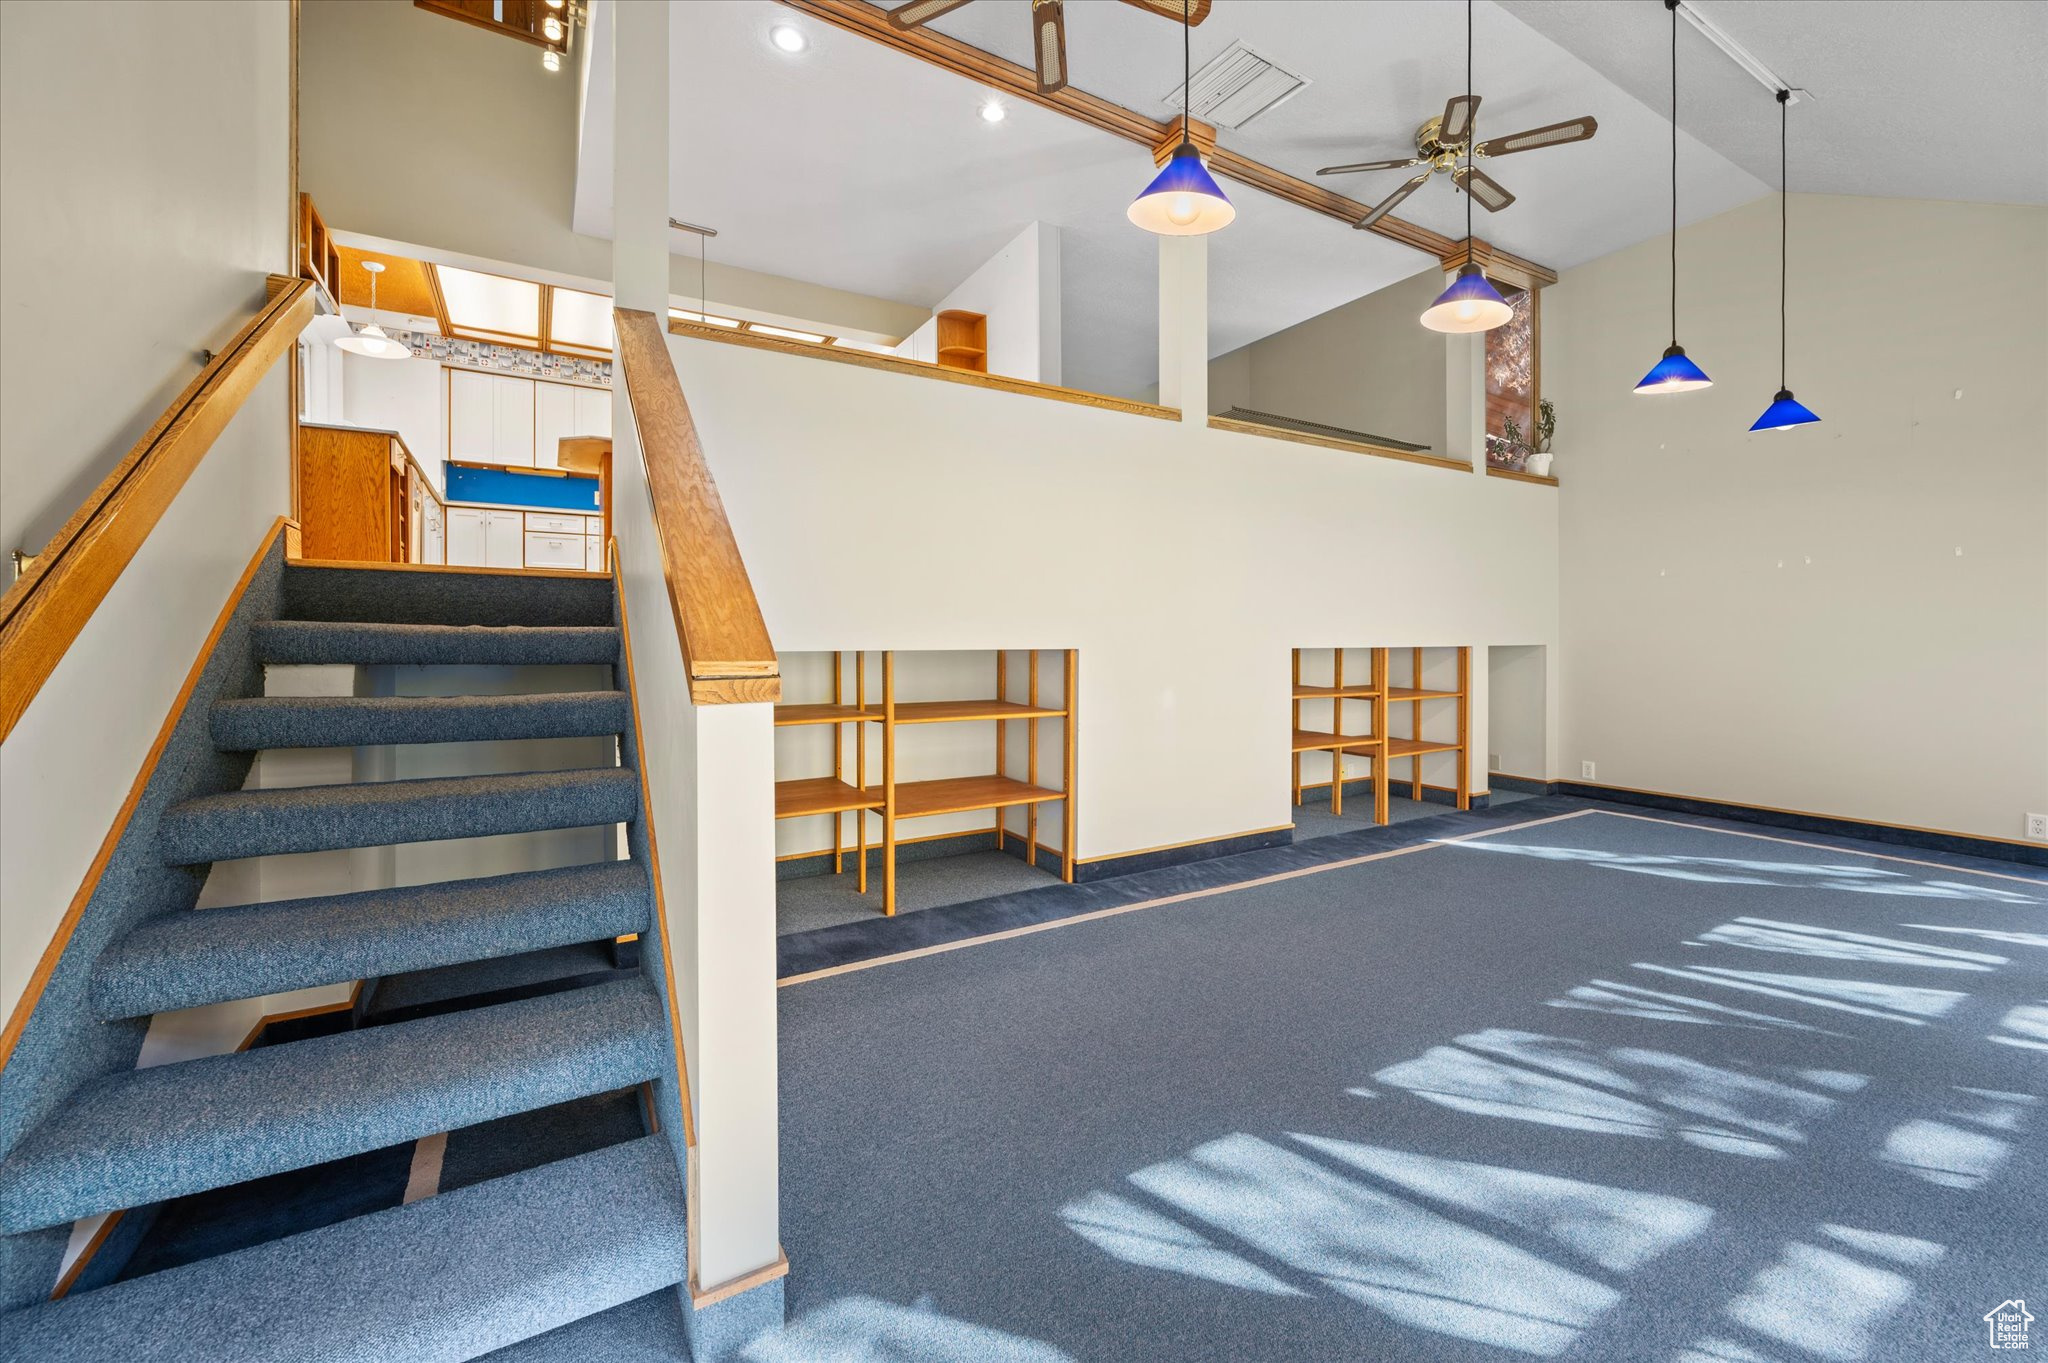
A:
[1674,170]
[1187,71]
[1470,131]
[1784,220]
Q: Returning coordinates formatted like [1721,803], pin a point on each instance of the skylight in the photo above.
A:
[580,321]
[488,307]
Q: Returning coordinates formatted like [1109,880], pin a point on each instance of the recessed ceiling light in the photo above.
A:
[992,111]
[788,37]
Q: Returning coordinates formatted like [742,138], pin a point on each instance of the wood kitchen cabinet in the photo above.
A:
[362,497]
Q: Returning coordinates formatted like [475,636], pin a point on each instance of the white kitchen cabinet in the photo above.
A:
[433,535]
[490,417]
[554,419]
[553,523]
[593,411]
[512,402]
[485,539]
[472,428]
[593,553]
[555,551]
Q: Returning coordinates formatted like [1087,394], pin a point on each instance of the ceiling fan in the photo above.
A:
[1048,28]
[1440,143]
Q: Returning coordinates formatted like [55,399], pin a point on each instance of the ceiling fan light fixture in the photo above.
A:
[1675,373]
[1469,304]
[1183,200]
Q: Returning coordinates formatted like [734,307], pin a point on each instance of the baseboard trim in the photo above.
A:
[1159,858]
[1897,835]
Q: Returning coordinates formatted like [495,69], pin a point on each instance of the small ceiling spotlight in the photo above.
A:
[992,111]
[788,38]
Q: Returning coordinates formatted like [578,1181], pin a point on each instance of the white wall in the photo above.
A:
[407,396]
[160,197]
[1368,365]
[1018,290]
[1518,710]
[1848,618]
[1179,560]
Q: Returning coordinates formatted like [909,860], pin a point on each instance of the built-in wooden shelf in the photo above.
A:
[1397,693]
[1313,740]
[1379,746]
[821,795]
[786,715]
[960,711]
[965,794]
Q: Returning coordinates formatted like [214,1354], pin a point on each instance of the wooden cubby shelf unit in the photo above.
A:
[892,799]
[1377,695]
[833,795]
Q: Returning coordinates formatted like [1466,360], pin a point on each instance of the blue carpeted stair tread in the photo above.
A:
[251,823]
[473,984]
[415,596]
[367,644]
[145,1135]
[649,1329]
[200,956]
[259,723]
[449,1277]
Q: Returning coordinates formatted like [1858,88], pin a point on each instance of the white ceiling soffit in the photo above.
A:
[1910,100]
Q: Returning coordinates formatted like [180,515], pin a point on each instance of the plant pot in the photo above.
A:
[1538,463]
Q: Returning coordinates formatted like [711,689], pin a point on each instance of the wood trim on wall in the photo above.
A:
[726,649]
[43,612]
[896,364]
[61,938]
[1227,423]
[1516,475]
[1020,82]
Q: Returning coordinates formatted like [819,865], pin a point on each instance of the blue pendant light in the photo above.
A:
[1470,303]
[1675,372]
[1785,411]
[1183,200]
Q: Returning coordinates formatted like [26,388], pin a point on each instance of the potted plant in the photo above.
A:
[1546,426]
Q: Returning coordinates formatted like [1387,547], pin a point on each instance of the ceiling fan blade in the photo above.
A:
[1049,43]
[1196,10]
[1549,135]
[1371,165]
[1392,201]
[1484,189]
[1457,120]
[922,12]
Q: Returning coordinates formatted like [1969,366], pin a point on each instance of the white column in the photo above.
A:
[1184,326]
[710,768]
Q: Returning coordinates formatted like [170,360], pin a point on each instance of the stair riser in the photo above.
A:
[272,723]
[301,642]
[415,597]
[219,955]
[191,838]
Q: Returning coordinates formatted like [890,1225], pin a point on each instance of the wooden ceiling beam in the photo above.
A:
[1501,266]
[1019,82]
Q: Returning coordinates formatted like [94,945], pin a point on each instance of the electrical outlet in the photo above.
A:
[1585,771]
[2037,827]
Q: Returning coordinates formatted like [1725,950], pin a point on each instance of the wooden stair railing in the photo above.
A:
[726,650]
[44,610]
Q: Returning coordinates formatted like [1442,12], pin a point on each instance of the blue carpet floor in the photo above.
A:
[1601,1088]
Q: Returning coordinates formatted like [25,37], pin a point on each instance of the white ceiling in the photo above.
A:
[859,168]
[1910,99]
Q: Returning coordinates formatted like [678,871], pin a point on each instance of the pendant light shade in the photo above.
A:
[1469,304]
[1675,372]
[373,342]
[1183,199]
[1785,411]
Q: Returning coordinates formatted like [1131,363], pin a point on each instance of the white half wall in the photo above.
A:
[1181,561]
[1844,619]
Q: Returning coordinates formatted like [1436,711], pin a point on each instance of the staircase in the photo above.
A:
[490,1007]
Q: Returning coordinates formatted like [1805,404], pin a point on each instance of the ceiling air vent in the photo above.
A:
[1236,88]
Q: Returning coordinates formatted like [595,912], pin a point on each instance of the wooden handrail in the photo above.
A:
[726,649]
[44,610]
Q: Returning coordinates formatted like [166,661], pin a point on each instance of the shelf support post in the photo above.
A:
[1184,326]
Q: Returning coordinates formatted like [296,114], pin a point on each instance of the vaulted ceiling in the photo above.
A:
[864,169]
